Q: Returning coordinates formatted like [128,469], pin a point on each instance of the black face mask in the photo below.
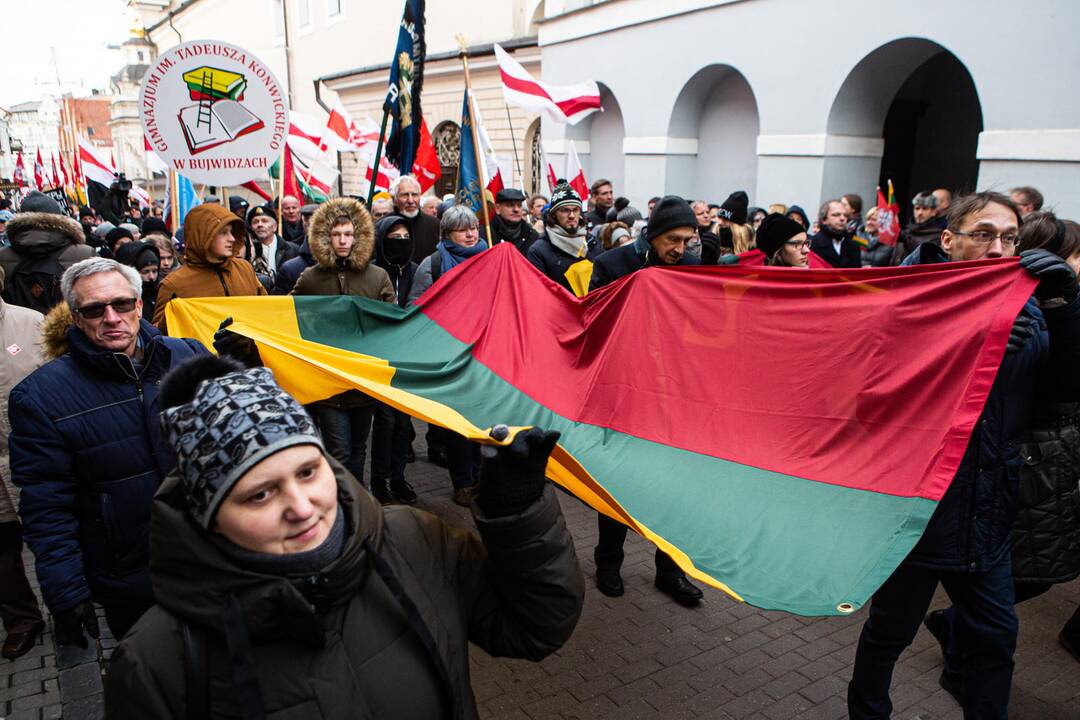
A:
[397,251]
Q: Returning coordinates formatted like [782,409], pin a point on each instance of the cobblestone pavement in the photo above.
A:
[642,656]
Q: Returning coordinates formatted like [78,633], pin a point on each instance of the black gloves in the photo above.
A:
[236,346]
[1022,330]
[1056,278]
[69,624]
[512,477]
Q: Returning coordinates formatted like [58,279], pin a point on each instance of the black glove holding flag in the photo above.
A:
[1056,278]
[512,476]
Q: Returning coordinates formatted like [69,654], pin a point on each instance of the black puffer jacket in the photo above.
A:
[1046,535]
[382,632]
[971,527]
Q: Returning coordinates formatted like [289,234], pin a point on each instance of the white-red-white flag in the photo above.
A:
[575,175]
[560,103]
[154,163]
[493,179]
[95,166]
[39,172]
[346,132]
[19,177]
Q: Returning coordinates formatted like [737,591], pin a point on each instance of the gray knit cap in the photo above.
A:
[629,215]
[234,422]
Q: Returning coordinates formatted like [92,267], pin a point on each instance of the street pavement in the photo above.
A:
[642,656]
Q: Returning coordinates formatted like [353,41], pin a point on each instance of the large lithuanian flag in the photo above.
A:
[785,435]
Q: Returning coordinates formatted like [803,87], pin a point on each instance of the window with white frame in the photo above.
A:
[277,19]
[334,8]
[303,12]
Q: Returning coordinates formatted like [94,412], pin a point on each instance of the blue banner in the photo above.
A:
[403,93]
[469,191]
[186,198]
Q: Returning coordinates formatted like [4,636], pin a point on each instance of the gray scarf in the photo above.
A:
[569,244]
[299,564]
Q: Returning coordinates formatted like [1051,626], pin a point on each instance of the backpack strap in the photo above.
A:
[436,267]
[196,674]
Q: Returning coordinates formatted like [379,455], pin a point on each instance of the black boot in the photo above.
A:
[402,491]
[378,489]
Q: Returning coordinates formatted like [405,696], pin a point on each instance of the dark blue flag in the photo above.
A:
[406,81]
[470,190]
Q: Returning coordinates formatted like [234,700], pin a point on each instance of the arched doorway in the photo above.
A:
[447,142]
[534,159]
[604,131]
[713,136]
[920,101]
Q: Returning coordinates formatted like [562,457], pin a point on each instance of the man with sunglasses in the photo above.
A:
[87,452]
[967,544]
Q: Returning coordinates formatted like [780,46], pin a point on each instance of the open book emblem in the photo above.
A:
[217,115]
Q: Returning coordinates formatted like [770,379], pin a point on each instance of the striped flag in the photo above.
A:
[575,175]
[39,172]
[55,174]
[19,176]
[803,501]
[560,103]
[154,163]
[95,166]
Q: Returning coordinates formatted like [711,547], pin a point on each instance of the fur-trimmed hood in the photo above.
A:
[322,222]
[33,230]
[54,330]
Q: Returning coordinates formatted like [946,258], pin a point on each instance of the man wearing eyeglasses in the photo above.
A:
[87,451]
[967,544]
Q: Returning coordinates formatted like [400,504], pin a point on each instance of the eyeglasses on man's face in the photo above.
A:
[96,310]
[985,237]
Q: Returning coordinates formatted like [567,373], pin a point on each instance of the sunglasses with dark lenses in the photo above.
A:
[96,310]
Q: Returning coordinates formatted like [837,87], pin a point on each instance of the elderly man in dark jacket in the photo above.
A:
[967,544]
[88,455]
[663,243]
[833,243]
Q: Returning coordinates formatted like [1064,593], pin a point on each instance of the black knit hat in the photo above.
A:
[775,230]
[154,225]
[563,195]
[735,207]
[115,234]
[40,202]
[670,212]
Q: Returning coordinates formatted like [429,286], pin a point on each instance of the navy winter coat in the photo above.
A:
[290,270]
[554,262]
[87,452]
[972,525]
[611,265]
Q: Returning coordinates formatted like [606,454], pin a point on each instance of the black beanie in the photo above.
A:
[670,212]
[257,210]
[154,225]
[735,207]
[775,230]
[238,205]
[40,202]
[115,234]
[563,195]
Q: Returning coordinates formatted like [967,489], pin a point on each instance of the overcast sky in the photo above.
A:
[80,30]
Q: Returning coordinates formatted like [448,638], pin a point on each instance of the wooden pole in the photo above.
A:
[378,157]
[281,182]
[174,209]
[476,139]
[513,139]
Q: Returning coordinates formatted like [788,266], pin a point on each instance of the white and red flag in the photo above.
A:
[55,175]
[39,171]
[560,103]
[575,175]
[20,172]
[154,163]
[346,131]
[95,167]
[493,179]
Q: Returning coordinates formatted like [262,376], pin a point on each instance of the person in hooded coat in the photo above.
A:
[146,259]
[213,241]
[284,590]
[392,431]
[38,232]
[342,240]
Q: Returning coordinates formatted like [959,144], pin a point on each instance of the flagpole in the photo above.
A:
[281,182]
[476,139]
[378,156]
[174,209]
[513,139]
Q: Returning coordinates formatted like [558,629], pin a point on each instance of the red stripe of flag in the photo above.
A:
[568,107]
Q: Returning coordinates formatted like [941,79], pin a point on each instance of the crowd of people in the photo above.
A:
[236,539]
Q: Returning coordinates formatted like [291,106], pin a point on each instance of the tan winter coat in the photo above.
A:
[355,275]
[20,348]
[198,276]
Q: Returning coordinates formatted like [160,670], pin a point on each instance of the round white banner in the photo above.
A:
[214,112]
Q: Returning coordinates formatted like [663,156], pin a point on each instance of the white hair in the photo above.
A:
[94,266]
[428,200]
[394,186]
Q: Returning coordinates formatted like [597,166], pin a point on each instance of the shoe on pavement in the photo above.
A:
[378,489]
[680,589]
[938,626]
[1065,641]
[609,582]
[953,684]
[463,496]
[403,492]
[21,642]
